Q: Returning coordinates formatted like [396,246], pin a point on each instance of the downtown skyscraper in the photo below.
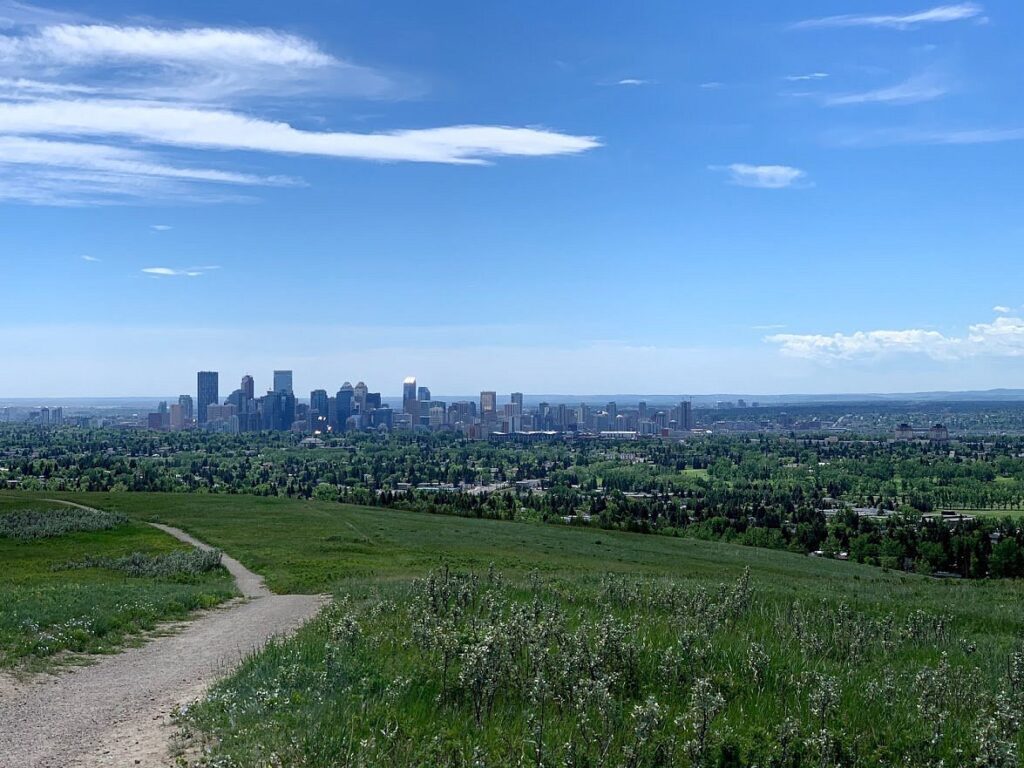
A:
[283,381]
[207,393]
[410,401]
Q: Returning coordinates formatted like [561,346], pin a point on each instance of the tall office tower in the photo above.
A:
[177,418]
[423,394]
[410,404]
[543,416]
[162,407]
[612,410]
[318,401]
[236,399]
[685,417]
[187,408]
[319,410]
[488,405]
[288,408]
[583,416]
[437,416]
[372,401]
[359,393]
[278,411]
[208,393]
[561,416]
[382,418]
[269,411]
[513,418]
[343,406]
[517,399]
[461,411]
[282,381]
[642,411]
[248,388]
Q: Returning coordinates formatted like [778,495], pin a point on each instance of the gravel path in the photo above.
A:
[117,712]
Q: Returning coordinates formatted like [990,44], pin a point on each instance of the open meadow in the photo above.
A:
[466,642]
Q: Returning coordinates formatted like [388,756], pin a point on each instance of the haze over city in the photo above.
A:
[668,198]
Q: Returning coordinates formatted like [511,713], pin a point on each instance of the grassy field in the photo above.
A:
[310,547]
[462,642]
[46,614]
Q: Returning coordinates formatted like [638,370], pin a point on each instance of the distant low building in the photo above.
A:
[612,434]
[536,436]
[937,433]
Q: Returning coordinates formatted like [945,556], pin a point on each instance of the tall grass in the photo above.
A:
[468,670]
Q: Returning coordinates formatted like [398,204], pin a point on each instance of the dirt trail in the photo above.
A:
[117,712]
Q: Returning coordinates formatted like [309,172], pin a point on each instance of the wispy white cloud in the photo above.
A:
[1003,310]
[860,344]
[161,227]
[712,85]
[911,91]
[21,88]
[768,327]
[89,258]
[77,44]
[632,81]
[15,14]
[70,172]
[809,76]
[191,64]
[926,136]
[964,136]
[762,176]
[73,188]
[117,160]
[84,107]
[171,272]
[937,15]
[220,129]
[1003,337]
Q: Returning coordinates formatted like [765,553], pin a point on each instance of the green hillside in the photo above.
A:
[467,642]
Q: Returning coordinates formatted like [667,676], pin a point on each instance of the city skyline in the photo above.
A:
[720,197]
[356,409]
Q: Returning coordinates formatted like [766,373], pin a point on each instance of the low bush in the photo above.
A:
[172,564]
[30,524]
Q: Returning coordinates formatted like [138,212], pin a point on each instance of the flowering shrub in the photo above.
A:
[29,524]
[181,562]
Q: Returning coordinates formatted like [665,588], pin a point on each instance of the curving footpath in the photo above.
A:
[117,712]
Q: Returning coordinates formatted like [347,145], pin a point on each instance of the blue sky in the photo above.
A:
[549,197]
